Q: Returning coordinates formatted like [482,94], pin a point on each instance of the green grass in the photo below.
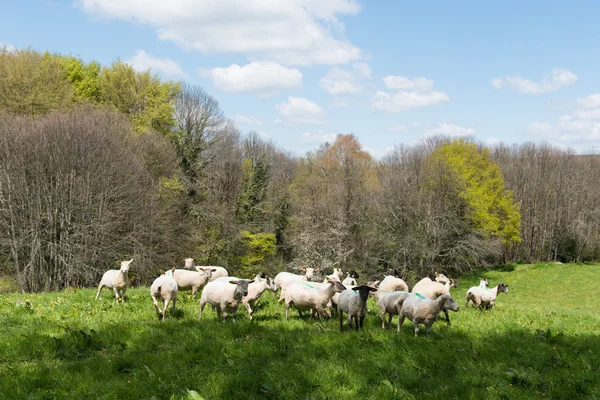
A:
[540,341]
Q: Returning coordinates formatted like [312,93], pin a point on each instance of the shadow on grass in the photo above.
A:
[299,359]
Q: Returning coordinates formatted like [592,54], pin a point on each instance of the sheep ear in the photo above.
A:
[131,260]
[372,289]
[302,268]
[316,269]
[249,282]
[117,262]
[233,282]
[199,269]
[173,269]
[213,270]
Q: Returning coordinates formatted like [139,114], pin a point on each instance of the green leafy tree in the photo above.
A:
[84,77]
[258,249]
[32,83]
[479,182]
[257,179]
[143,96]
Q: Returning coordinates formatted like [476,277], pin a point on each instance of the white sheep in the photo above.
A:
[433,290]
[391,284]
[482,296]
[218,272]
[116,279]
[350,280]
[284,279]
[337,274]
[390,303]
[483,283]
[306,296]
[255,290]
[165,288]
[193,280]
[224,295]
[441,278]
[422,310]
[354,305]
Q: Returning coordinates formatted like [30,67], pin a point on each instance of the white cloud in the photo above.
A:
[277,121]
[142,61]
[292,32]
[538,127]
[449,130]
[412,93]
[591,101]
[300,109]
[403,83]
[400,101]
[243,120]
[579,134]
[317,137]
[588,114]
[559,78]
[9,47]
[345,81]
[339,103]
[491,141]
[397,128]
[264,77]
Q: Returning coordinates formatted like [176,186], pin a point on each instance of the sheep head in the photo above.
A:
[189,262]
[503,288]
[363,291]
[337,285]
[449,303]
[125,265]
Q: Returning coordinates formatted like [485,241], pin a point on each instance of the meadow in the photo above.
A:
[540,341]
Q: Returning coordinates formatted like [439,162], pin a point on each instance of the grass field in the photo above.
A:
[540,341]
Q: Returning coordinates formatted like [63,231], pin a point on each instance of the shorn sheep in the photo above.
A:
[165,288]
[255,290]
[391,284]
[484,297]
[218,272]
[390,303]
[353,302]
[224,295]
[284,279]
[433,290]
[422,310]
[116,279]
[305,296]
[192,280]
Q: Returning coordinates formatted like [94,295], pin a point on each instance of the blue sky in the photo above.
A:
[301,71]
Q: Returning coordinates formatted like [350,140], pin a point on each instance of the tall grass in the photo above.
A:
[540,341]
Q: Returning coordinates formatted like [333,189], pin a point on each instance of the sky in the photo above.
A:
[301,71]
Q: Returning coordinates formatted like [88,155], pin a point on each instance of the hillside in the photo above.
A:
[540,341]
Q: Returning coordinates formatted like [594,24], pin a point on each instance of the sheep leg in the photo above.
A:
[99,289]
[341,319]
[416,326]
[428,328]
[156,305]
[234,314]
[447,317]
[174,301]
[362,320]
[202,304]
[382,316]
[281,296]
[249,309]
[166,305]
[116,294]
[123,292]
[287,308]
[350,321]
[223,312]
[390,319]
[320,313]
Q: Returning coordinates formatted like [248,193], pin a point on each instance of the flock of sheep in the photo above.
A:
[422,305]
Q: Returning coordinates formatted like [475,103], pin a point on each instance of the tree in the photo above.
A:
[32,83]
[141,95]
[479,182]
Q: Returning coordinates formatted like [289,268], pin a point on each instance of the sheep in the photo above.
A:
[391,284]
[116,279]
[422,310]
[224,295]
[441,278]
[306,296]
[284,279]
[391,303]
[218,272]
[354,305]
[433,290]
[165,288]
[350,280]
[193,280]
[337,274]
[483,283]
[255,290]
[481,296]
